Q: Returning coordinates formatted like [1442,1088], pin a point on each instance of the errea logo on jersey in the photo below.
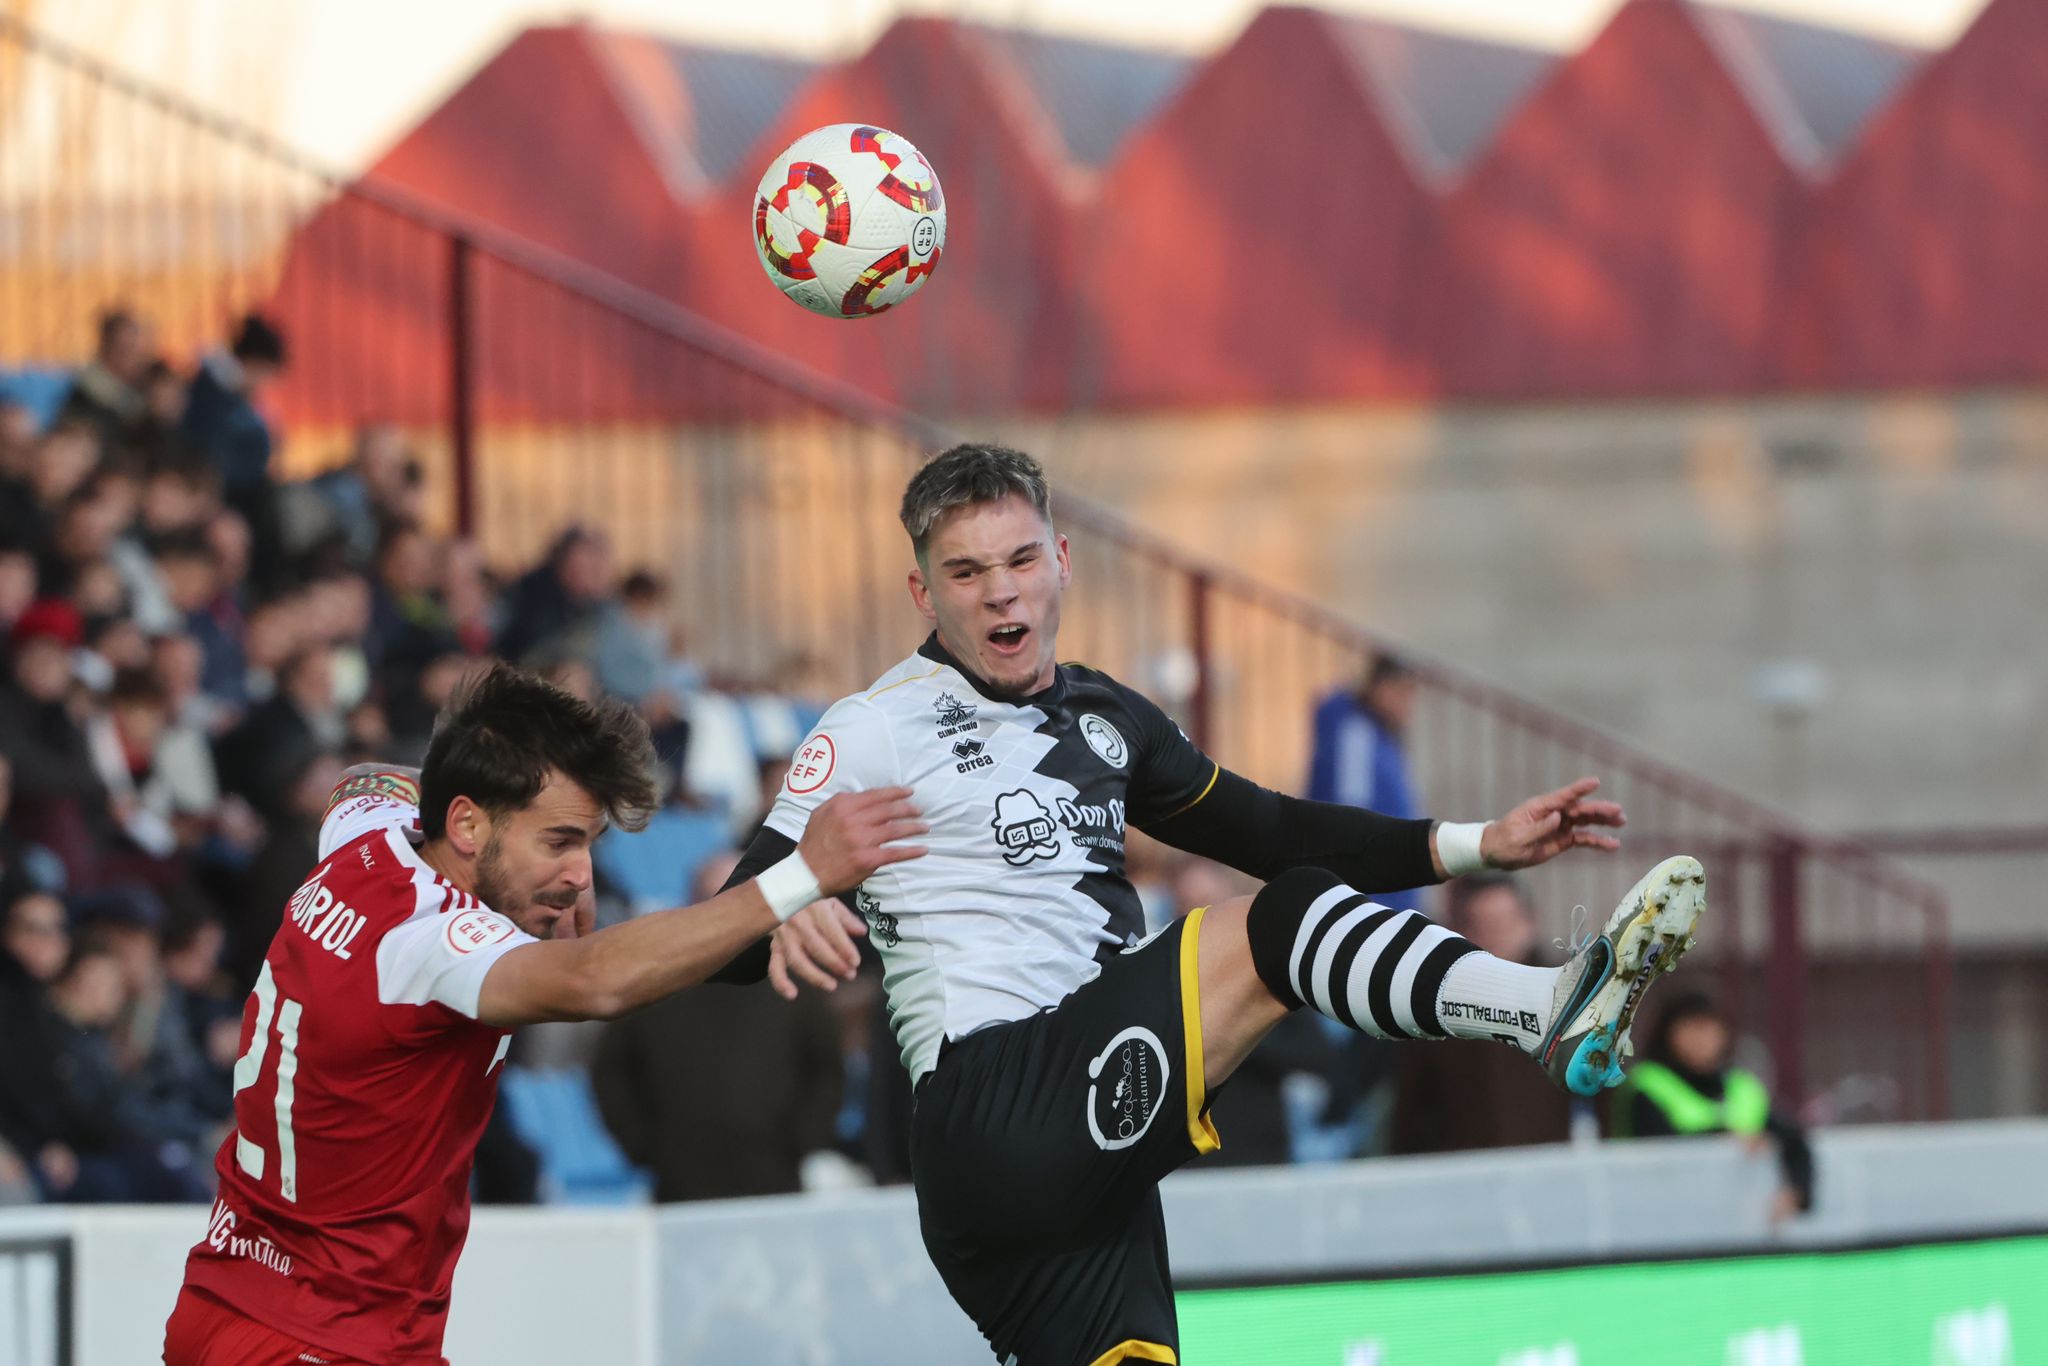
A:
[478,929]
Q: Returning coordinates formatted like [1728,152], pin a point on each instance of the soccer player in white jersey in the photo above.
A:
[1062,1063]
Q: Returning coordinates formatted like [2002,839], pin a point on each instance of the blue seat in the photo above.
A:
[555,1112]
[652,868]
[41,391]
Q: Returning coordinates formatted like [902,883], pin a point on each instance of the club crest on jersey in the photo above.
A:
[954,715]
[1127,1080]
[1025,829]
[1105,740]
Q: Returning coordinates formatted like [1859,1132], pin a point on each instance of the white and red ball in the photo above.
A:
[849,220]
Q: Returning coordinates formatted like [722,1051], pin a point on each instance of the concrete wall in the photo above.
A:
[1637,564]
[843,1281]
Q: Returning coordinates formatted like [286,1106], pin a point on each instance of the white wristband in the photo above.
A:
[789,886]
[1457,847]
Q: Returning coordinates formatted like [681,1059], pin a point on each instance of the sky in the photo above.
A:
[341,79]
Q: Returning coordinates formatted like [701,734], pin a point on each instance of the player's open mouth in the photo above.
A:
[1008,640]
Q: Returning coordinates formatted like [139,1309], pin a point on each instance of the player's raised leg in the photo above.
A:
[1308,939]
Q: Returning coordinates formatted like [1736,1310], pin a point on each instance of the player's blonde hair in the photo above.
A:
[969,474]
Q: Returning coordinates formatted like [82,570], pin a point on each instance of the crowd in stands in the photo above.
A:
[195,648]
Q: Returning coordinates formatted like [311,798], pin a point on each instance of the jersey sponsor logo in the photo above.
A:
[478,929]
[1094,826]
[327,920]
[887,932]
[220,1236]
[1127,1082]
[1489,1015]
[1024,828]
[1105,740]
[954,715]
[812,767]
[971,756]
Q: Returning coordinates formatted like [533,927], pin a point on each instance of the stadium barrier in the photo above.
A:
[1928,1245]
[540,391]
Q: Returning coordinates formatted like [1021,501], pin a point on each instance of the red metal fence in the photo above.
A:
[537,392]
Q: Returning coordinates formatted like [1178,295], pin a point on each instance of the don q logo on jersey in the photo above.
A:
[1127,1082]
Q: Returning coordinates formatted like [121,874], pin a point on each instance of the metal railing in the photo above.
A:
[538,392]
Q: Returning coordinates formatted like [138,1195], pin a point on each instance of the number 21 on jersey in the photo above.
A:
[250,1157]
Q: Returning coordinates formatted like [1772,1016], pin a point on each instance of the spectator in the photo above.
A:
[409,623]
[190,573]
[631,653]
[199,994]
[378,486]
[279,867]
[18,583]
[223,424]
[107,391]
[413,710]
[722,1091]
[64,459]
[178,497]
[18,428]
[466,588]
[275,630]
[1360,758]
[257,759]
[178,663]
[160,775]
[153,1040]
[35,940]
[561,597]
[1685,1085]
[155,437]
[24,867]
[1467,1093]
[63,1098]
[59,798]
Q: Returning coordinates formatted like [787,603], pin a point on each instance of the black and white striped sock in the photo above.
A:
[1399,975]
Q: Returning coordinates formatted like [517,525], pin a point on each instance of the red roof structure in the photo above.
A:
[1703,200]
[1268,237]
[1926,263]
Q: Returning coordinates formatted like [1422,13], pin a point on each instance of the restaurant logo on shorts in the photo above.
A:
[1127,1080]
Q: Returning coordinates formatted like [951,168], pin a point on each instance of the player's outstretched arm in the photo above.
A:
[1265,833]
[617,969]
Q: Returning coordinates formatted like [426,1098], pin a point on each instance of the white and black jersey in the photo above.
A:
[1023,892]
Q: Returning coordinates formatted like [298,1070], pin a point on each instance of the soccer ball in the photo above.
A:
[849,220]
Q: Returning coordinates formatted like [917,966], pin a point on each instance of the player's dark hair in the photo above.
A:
[969,474]
[504,731]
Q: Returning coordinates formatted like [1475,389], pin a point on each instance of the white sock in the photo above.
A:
[1484,997]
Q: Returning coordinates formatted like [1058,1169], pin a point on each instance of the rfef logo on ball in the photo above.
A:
[1127,1082]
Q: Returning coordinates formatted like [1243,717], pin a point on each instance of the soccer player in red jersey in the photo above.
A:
[445,912]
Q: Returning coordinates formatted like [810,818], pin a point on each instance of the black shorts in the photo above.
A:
[1037,1148]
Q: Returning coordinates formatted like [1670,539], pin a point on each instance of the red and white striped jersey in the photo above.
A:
[364,1083]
